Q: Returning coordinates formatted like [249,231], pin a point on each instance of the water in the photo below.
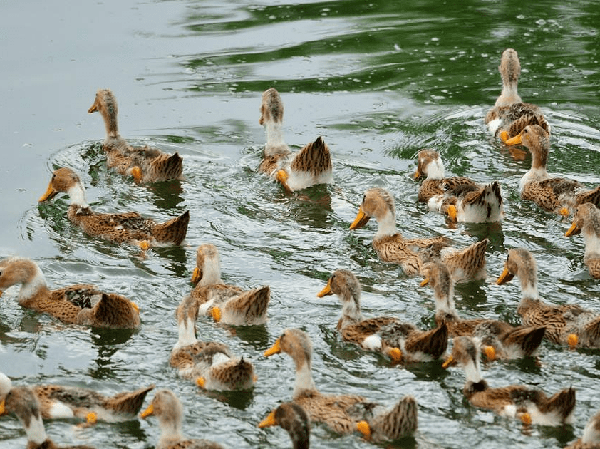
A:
[378,81]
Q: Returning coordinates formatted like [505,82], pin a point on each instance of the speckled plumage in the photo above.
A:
[560,321]
[153,164]
[169,411]
[77,304]
[310,166]
[507,340]
[341,413]
[211,361]
[294,419]
[127,227]
[22,402]
[415,344]
[237,307]
[515,400]
[553,194]
[510,115]
[587,222]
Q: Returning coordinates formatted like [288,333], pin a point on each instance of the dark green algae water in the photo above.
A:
[379,81]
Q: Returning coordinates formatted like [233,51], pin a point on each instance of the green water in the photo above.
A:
[379,81]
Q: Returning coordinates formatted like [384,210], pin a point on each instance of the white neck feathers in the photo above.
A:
[386,225]
[304,380]
[211,272]
[473,371]
[77,195]
[35,432]
[435,169]
[187,333]
[274,137]
[30,287]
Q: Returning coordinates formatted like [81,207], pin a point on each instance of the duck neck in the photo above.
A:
[473,370]
[436,170]
[34,285]
[444,303]
[211,273]
[304,380]
[351,312]
[187,333]
[275,143]
[77,195]
[509,93]
[34,428]
[386,225]
[170,429]
[591,236]
[529,288]
[109,114]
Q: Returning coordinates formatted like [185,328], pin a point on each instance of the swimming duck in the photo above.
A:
[210,364]
[385,334]
[510,115]
[559,195]
[77,304]
[391,246]
[22,402]
[460,198]
[587,219]
[145,164]
[167,407]
[225,303]
[343,413]
[565,324]
[515,401]
[129,227]
[591,435]
[310,166]
[499,339]
[292,418]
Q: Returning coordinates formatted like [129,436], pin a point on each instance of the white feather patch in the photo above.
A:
[372,342]
[60,410]
[35,431]
[493,126]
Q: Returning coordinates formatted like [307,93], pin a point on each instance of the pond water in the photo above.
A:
[379,81]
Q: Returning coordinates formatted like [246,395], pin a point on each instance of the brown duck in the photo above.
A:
[310,166]
[77,304]
[565,324]
[460,198]
[591,435]
[510,115]
[342,413]
[515,401]
[129,227]
[411,254]
[293,418]
[145,164]
[587,221]
[499,339]
[169,411]
[22,402]
[225,303]
[385,334]
[553,194]
[210,364]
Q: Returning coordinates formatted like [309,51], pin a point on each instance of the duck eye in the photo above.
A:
[364,198]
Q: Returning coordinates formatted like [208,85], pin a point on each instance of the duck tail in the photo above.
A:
[592,196]
[399,422]
[526,338]
[173,166]
[172,231]
[111,310]
[252,304]
[561,403]
[129,401]
[433,342]
[314,158]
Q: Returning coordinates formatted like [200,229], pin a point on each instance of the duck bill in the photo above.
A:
[326,290]
[449,362]
[424,282]
[360,220]
[268,421]
[504,277]
[282,177]
[275,349]
[50,193]
[572,230]
[93,108]
[517,140]
[417,174]
[216,314]
[2,408]
[149,411]
[196,275]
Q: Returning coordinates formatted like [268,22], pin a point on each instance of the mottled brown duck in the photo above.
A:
[294,419]
[587,222]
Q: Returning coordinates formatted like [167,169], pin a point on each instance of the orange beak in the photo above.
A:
[360,220]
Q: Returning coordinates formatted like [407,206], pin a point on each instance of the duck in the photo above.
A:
[227,304]
[80,304]
[587,221]
[514,401]
[294,419]
[342,414]
[510,115]
[460,198]
[499,339]
[401,341]
[58,401]
[310,166]
[210,364]
[22,402]
[553,194]
[591,435]
[129,227]
[167,407]
[567,324]
[145,164]
[411,254]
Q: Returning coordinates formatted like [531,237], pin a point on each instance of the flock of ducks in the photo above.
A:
[212,366]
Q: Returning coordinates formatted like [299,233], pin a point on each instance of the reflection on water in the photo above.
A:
[379,80]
